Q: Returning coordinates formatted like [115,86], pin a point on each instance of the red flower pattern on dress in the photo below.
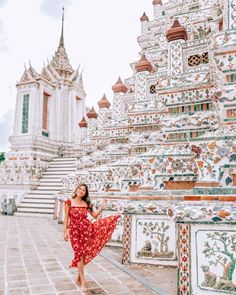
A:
[87,238]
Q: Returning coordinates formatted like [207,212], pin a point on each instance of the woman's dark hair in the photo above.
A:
[85,197]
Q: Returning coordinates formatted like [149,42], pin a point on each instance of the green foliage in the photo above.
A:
[2,157]
[221,251]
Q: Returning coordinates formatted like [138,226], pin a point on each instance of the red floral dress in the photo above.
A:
[87,239]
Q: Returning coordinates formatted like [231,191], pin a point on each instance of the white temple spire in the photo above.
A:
[61,43]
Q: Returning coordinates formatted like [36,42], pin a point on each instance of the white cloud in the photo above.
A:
[6,123]
[53,8]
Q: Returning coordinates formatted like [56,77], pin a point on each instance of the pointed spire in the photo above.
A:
[62,30]
[83,123]
[92,114]
[144,18]
[143,64]
[119,86]
[176,32]
[60,61]
[29,75]
[81,80]
[157,2]
[104,103]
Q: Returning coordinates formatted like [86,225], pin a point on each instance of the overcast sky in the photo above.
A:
[100,36]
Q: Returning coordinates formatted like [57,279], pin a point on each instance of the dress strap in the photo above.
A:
[68,202]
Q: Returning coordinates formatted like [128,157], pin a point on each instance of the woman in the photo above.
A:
[87,239]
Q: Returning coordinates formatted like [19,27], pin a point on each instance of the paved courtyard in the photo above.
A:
[34,259]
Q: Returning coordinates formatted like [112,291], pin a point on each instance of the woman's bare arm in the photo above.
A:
[96,213]
[66,221]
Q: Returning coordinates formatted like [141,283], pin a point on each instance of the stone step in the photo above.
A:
[50,177]
[60,169]
[58,185]
[48,188]
[49,185]
[37,201]
[39,214]
[35,206]
[69,164]
[41,201]
[62,173]
[38,193]
[35,210]
[63,160]
[49,181]
[40,197]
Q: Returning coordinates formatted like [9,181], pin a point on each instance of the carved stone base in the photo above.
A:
[234,179]
[206,183]
[113,190]
[133,188]
[210,198]
[179,185]
[145,188]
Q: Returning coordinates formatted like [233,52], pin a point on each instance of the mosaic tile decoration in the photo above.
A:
[184,275]
[213,249]
[153,240]
[206,260]
[126,239]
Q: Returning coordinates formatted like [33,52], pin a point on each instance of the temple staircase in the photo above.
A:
[40,202]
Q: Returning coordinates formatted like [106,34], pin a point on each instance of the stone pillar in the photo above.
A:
[83,130]
[104,105]
[127,239]
[229,15]
[144,24]
[176,37]
[158,11]
[143,68]
[92,124]
[175,57]
[119,88]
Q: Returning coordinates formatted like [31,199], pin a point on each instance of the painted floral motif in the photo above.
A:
[184,260]
[220,253]
[156,239]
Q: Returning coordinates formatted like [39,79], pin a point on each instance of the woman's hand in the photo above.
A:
[66,235]
[103,204]
[120,209]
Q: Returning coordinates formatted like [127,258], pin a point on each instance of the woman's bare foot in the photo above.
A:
[83,286]
[78,280]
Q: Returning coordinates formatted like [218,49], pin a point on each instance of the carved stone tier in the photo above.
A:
[207,184]
[179,185]
[234,179]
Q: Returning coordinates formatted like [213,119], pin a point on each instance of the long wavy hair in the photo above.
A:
[86,197]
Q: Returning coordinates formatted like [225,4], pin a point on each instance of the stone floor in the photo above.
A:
[34,259]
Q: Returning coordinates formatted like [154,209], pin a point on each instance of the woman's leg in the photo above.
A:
[80,266]
[78,280]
